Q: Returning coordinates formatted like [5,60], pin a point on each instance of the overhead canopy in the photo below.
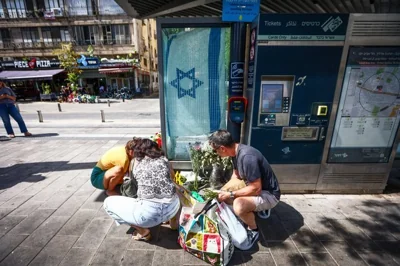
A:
[207,8]
[29,74]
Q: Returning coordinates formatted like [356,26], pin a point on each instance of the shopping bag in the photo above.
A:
[227,219]
[187,200]
[201,236]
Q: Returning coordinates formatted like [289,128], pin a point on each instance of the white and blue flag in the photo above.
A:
[194,82]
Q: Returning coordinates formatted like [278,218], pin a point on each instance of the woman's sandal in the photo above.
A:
[28,134]
[139,237]
[11,136]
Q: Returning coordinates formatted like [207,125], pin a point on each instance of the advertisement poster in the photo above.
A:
[368,113]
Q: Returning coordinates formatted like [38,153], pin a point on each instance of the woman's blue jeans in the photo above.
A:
[7,110]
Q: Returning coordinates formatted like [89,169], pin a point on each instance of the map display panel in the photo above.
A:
[368,113]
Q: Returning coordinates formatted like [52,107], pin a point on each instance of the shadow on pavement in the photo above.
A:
[371,232]
[31,172]
[4,138]
[43,135]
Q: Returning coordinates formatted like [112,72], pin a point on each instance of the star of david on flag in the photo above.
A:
[180,75]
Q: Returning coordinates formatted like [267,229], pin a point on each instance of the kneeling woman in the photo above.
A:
[156,200]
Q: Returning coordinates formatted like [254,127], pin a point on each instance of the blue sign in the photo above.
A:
[237,79]
[240,10]
[302,27]
[237,70]
[88,62]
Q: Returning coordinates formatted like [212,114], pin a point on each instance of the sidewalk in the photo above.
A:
[51,215]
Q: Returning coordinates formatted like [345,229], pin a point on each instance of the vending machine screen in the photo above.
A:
[272,95]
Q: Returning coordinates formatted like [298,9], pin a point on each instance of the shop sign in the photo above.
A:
[109,63]
[88,62]
[30,64]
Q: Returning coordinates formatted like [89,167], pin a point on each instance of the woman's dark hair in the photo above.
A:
[142,147]
[221,138]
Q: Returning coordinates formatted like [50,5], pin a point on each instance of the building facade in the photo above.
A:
[32,29]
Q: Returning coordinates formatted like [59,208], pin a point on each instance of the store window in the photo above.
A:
[16,8]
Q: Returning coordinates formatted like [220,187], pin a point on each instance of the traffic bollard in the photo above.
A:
[123,99]
[108,101]
[40,116]
[103,119]
[59,107]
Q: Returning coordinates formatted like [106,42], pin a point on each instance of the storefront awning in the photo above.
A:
[115,70]
[29,74]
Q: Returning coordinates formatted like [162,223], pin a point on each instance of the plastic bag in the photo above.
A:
[234,226]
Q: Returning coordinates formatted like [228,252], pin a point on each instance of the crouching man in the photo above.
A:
[262,189]
[111,168]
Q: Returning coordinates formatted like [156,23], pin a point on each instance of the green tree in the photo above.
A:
[68,60]
[90,51]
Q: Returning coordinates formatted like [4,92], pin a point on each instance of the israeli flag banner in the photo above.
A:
[194,82]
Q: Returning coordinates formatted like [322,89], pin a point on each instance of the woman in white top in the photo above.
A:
[156,201]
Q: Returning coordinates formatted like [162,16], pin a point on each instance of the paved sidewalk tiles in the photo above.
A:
[51,215]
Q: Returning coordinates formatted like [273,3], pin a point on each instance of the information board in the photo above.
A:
[368,113]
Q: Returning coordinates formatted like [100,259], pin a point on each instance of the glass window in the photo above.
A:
[46,33]
[80,7]
[195,94]
[1,10]
[16,8]
[110,7]
[30,36]
[65,37]
[121,34]
[85,35]
[107,34]
[49,4]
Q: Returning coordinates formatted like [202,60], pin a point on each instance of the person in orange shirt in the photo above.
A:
[112,167]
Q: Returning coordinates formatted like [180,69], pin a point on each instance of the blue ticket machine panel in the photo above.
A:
[293,77]
[237,109]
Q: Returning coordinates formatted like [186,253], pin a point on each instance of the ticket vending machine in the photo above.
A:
[294,61]
[361,143]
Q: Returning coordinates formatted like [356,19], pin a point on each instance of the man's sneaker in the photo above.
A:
[252,236]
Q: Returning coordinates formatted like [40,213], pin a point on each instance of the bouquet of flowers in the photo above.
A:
[204,158]
[157,139]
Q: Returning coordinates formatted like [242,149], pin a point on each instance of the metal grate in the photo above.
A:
[353,178]
[376,28]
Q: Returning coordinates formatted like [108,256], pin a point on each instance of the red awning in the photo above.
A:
[115,70]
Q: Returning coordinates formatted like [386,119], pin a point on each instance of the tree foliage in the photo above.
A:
[68,60]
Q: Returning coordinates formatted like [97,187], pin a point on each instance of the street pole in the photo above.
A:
[103,119]
[40,116]
[238,44]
